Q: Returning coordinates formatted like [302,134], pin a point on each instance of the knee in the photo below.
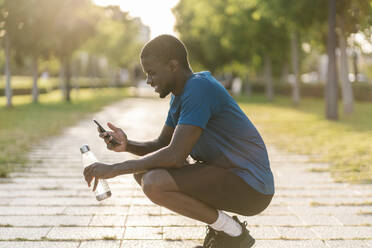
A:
[152,185]
[138,178]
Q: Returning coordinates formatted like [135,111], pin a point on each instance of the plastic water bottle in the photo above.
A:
[87,157]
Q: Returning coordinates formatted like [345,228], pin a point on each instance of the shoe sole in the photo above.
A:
[251,244]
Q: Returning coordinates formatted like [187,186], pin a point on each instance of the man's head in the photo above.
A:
[163,59]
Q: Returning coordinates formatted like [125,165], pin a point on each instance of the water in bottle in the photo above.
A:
[87,156]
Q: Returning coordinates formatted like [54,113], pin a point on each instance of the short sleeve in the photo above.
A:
[169,122]
[198,105]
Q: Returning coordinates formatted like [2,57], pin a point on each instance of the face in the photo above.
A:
[159,75]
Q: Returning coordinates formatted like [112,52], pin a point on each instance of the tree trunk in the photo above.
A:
[346,89]
[8,87]
[295,69]
[355,66]
[247,87]
[62,78]
[35,72]
[268,78]
[67,77]
[285,72]
[331,86]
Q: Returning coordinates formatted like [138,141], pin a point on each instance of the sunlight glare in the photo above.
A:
[155,14]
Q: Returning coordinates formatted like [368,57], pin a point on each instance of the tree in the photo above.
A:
[73,25]
[118,38]
[34,39]
[229,33]
[352,17]
[331,86]
[298,17]
[11,13]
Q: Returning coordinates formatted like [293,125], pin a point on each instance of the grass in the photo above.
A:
[26,124]
[345,144]
[50,83]
[26,82]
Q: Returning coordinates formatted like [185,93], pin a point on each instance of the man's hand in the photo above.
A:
[98,171]
[118,135]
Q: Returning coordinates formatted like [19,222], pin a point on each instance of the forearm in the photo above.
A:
[143,148]
[164,158]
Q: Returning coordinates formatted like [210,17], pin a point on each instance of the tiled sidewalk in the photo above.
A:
[49,205]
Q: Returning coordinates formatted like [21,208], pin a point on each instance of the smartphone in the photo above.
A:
[102,130]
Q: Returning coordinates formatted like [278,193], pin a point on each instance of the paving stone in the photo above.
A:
[347,232]
[329,210]
[296,233]
[97,210]
[7,233]
[182,233]
[163,220]
[145,210]
[100,244]
[46,220]
[264,232]
[81,233]
[36,210]
[359,220]
[283,220]
[276,210]
[104,220]
[38,193]
[142,201]
[290,244]
[38,244]
[320,220]
[159,244]
[143,233]
[349,243]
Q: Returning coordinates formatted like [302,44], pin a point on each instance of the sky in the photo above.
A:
[156,14]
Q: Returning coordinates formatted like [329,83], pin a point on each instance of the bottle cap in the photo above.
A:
[84,148]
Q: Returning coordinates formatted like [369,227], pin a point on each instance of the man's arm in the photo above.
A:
[143,148]
[170,156]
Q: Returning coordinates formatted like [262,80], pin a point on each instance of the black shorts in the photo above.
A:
[220,188]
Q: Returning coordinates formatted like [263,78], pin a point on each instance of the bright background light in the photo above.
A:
[155,14]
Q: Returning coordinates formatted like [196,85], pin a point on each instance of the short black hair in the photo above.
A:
[165,48]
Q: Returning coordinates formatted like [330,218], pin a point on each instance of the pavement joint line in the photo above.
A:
[125,221]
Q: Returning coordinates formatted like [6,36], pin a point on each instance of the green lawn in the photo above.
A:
[345,144]
[26,82]
[26,124]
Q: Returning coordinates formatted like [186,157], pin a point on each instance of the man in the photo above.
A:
[232,171]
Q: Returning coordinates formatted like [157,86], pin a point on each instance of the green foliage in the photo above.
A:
[117,37]
[72,25]
[222,33]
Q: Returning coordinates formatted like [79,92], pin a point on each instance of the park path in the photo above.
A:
[49,204]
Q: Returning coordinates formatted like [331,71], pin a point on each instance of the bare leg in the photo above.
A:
[160,187]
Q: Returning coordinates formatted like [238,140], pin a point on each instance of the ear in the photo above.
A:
[173,65]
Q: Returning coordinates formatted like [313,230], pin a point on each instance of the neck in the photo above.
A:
[181,81]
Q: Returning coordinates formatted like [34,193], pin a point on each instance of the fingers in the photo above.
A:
[104,134]
[95,183]
[110,146]
[112,127]
[88,175]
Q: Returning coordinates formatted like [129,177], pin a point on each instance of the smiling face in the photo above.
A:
[159,75]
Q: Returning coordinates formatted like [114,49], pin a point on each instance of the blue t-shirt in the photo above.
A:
[229,139]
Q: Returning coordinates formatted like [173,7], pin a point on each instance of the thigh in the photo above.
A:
[220,189]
